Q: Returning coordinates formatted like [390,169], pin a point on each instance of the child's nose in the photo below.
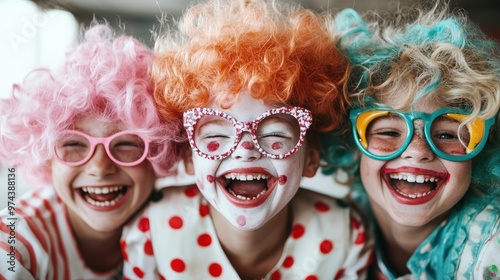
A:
[100,164]
[418,149]
[246,150]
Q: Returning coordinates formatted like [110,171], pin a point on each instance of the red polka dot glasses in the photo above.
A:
[276,134]
[126,148]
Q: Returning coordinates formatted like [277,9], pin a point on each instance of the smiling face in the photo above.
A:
[246,187]
[100,193]
[417,187]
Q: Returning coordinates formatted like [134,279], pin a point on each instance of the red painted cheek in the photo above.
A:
[277,146]
[455,152]
[384,148]
[247,145]
[282,179]
[213,146]
[210,178]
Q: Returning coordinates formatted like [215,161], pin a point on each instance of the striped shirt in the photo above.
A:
[36,241]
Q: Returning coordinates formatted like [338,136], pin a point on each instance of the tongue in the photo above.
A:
[248,188]
[413,188]
[103,197]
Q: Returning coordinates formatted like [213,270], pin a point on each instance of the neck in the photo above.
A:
[253,254]
[400,241]
[100,250]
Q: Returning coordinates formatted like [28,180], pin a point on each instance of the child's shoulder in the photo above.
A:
[307,203]
[40,203]
[321,201]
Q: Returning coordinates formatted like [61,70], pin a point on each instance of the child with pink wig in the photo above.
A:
[254,82]
[87,136]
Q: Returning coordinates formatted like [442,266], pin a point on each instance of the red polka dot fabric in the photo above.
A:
[176,239]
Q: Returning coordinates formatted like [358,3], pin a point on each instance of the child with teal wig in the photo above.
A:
[426,97]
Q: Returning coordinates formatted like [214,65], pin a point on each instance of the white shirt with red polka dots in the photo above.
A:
[174,238]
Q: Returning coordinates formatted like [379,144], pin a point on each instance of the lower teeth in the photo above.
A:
[247,198]
[412,195]
[103,203]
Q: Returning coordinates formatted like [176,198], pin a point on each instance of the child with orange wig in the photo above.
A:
[88,137]
[254,83]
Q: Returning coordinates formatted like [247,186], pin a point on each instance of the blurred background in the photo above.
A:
[37,33]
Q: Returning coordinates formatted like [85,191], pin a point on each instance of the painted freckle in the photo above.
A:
[247,145]
[213,146]
[277,145]
[384,149]
[282,179]
[241,220]
[210,178]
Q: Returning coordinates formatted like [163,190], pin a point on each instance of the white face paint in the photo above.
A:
[246,187]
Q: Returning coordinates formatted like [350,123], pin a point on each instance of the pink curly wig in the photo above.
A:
[106,77]
[279,52]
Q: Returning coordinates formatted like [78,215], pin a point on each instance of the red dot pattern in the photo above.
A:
[215,270]
[297,231]
[204,210]
[138,272]
[204,240]
[340,273]
[326,246]
[288,262]
[178,265]
[191,191]
[360,239]
[123,246]
[148,248]
[355,223]
[175,222]
[321,207]
[144,224]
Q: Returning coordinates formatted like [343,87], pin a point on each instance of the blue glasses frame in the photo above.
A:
[478,129]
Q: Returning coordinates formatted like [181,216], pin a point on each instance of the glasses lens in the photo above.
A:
[72,147]
[448,136]
[278,134]
[127,148]
[214,135]
[386,134]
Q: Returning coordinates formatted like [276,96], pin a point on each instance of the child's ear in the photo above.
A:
[188,161]
[312,161]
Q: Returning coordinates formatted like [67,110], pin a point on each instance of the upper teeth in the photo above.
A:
[102,190]
[414,178]
[243,177]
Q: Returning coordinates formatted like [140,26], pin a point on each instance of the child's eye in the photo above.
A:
[444,136]
[74,144]
[274,134]
[389,133]
[128,144]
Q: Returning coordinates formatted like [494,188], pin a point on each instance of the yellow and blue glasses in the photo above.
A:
[383,133]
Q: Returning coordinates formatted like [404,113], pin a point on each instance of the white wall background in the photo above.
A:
[29,38]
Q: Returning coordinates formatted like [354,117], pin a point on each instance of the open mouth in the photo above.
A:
[414,189]
[103,197]
[413,186]
[247,189]
[245,186]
